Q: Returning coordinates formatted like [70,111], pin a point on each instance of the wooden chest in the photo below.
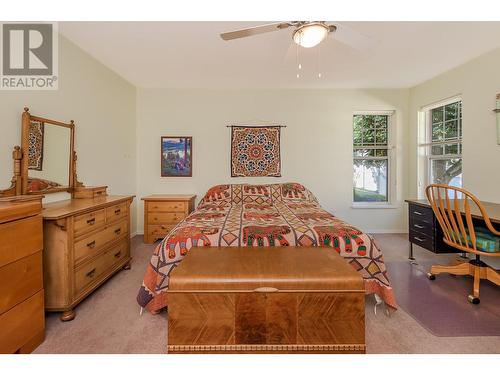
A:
[162,212]
[86,242]
[22,318]
[265,300]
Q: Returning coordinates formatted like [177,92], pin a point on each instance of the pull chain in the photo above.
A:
[297,61]
[319,61]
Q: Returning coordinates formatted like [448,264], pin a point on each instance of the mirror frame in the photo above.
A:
[19,181]
[26,121]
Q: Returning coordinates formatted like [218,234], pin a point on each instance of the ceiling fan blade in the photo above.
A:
[353,38]
[254,30]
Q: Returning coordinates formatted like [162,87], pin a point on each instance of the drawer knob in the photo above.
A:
[117,255]
[117,212]
[91,221]
[418,226]
[118,231]
[91,244]
[419,239]
[90,273]
[418,213]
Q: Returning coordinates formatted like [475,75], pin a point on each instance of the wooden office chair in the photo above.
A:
[481,241]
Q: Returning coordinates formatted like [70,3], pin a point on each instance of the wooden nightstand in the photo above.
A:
[162,212]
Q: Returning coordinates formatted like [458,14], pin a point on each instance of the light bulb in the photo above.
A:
[310,35]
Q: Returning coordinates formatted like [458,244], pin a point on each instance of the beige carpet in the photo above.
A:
[108,321]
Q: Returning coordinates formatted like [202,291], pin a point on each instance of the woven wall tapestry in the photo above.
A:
[35,149]
[255,151]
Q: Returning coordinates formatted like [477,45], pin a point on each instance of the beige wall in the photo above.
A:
[316,145]
[478,82]
[103,106]
[118,132]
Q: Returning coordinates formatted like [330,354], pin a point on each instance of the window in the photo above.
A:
[372,158]
[442,147]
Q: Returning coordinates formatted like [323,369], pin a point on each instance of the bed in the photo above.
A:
[284,214]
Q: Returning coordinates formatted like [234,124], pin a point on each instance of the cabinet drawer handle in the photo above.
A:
[419,239]
[117,255]
[265,289]
[117,231]
[117,212]
[90,273]
[418,213]
[91,221]
[418,226]
[91,244]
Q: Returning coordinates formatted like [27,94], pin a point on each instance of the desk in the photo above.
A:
[424,229]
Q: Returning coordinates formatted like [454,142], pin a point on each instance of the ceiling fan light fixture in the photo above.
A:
[310,34]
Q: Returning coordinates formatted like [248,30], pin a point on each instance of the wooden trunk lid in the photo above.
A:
[271,269]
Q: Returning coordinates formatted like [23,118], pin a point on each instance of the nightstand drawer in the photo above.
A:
[159,231]
[420,213]
[165,217]
[421,240]
[167,206]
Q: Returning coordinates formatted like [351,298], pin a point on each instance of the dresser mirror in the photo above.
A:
[49,156]
[45,161]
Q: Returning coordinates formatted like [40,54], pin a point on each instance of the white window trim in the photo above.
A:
[392,169]
[425,139]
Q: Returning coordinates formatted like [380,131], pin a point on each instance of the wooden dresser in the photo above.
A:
[162,212]
[22,319]
[86,241]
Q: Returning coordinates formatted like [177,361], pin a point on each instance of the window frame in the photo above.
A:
[425,142]
[391,159]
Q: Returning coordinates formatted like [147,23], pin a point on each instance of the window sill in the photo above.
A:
[380,206]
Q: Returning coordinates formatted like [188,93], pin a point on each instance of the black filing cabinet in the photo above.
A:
[424,229]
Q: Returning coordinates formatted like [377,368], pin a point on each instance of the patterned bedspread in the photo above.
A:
[263,215]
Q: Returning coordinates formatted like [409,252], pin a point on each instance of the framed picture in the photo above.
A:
[176,156]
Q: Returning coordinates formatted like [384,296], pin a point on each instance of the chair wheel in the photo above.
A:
[431,276]
[473,300]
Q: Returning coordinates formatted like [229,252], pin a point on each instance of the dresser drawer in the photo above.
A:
[90,245]
[87,222]
[116,212]
[20,280]
[421,213]
[98,267]
[167,206]
[165,217]
[421,226]
[159,231]
[21,323]
[20,238]
[421,240]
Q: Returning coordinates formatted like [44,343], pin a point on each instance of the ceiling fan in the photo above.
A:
[308,34]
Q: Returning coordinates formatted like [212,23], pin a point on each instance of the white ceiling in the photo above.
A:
[192,55]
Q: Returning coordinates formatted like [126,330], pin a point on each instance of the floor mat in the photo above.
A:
[441,305]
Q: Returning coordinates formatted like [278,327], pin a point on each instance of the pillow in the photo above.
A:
[293,191]
[217,193]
